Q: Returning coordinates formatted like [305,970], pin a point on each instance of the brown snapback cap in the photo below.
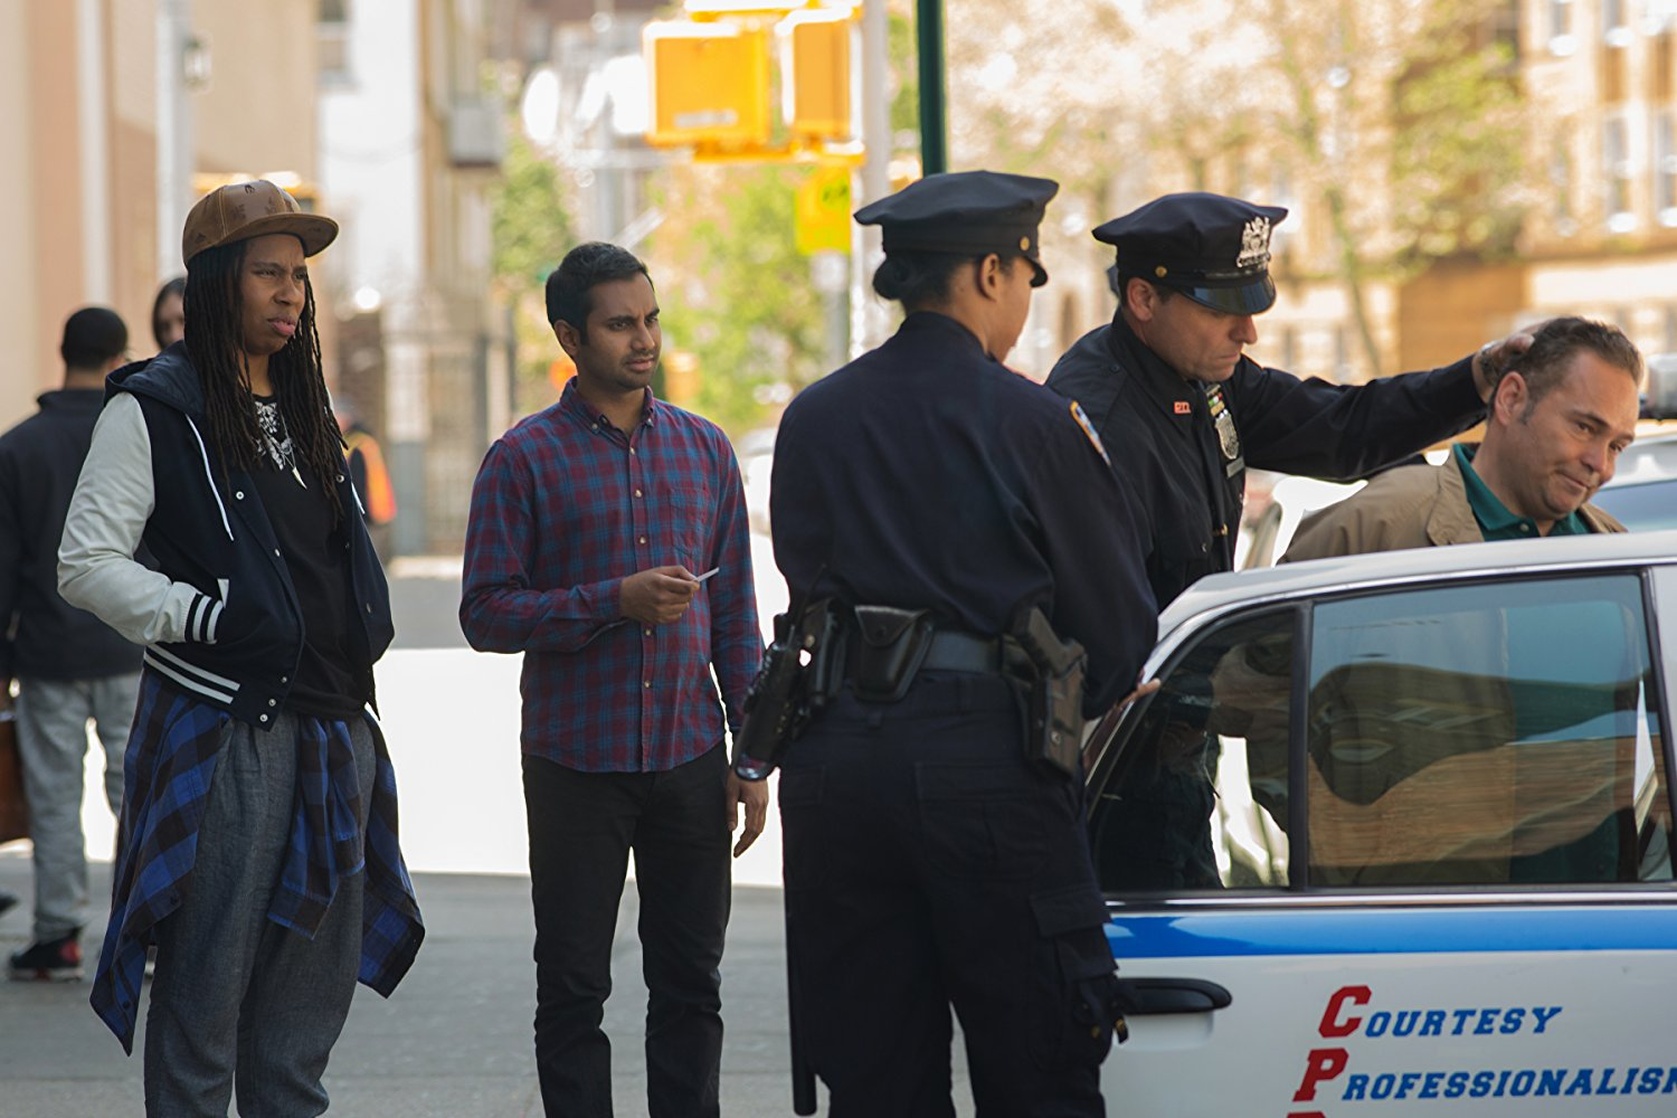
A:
[242,210]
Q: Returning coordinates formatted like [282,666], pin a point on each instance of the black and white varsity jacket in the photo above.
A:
[219,615]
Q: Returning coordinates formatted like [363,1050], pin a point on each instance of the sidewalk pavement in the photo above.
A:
[454,1040]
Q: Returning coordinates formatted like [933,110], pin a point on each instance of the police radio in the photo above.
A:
[786,692]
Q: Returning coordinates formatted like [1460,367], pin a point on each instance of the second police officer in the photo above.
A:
[933,497]
[1184,412]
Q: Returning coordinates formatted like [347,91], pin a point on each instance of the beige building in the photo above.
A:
[120,113]
[411,142]
[1599,237]
[1597,211]
[1602,75]
[112,106]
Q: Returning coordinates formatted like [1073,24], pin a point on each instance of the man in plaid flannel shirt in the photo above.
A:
[608,543]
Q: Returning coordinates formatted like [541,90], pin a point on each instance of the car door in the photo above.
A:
[1398,850]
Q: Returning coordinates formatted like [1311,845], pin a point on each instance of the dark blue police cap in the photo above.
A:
[1213,249]
[967,212]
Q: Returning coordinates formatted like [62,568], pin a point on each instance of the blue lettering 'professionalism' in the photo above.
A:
[1510,1083]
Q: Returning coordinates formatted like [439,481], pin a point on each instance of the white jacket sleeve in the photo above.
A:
[97,571]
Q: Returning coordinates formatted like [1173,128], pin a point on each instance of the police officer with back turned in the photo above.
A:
[1184,412]
[931,504]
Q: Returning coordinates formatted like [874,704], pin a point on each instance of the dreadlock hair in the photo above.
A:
[214,342]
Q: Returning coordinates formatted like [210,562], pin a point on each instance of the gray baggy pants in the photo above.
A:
[238,999]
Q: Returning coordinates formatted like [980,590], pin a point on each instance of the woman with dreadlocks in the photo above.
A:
[258,847]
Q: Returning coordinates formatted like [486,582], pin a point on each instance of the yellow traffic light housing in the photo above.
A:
[681,377]
[709,84]
[818,56]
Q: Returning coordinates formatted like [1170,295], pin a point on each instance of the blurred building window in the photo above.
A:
[1560,181]
[1615,27]
[1616,175]
[332,38]
[1665,166]
[1560,27]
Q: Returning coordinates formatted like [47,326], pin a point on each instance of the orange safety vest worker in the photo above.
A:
[380,495]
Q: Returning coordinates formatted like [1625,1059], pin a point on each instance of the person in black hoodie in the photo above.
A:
[70,667]
[259,846]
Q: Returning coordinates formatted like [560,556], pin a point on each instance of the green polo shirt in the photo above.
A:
[1495,521]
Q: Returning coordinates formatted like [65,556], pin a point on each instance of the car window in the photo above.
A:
[1643,507]
[1501,733]
[1496,734]
[1199,799]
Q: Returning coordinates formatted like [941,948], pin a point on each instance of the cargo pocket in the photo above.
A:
[1076,987]
[801,792]
[981,820]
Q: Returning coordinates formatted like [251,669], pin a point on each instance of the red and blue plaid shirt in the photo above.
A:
[564,508]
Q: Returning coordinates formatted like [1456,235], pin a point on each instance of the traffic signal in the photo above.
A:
[681,377]
[709,83]
[818,51]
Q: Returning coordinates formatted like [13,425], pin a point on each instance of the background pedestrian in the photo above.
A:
[71,668]
[168,313]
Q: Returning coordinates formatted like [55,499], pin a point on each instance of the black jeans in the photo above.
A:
[582,827]
[929,865]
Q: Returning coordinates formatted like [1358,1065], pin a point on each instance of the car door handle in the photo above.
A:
[1143,997]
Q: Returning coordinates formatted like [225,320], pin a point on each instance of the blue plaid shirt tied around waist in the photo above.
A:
[565,507]
[171,787]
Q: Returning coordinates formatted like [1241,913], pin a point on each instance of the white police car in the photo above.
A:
[1643,492]
[1394,837]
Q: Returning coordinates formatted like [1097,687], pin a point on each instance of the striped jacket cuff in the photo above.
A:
[203,619]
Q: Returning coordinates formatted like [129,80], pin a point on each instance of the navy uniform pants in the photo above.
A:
[930,866]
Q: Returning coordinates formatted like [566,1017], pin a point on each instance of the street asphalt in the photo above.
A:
[454,1039]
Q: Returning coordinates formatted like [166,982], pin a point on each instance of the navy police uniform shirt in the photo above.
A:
[927,475]
[1185,446]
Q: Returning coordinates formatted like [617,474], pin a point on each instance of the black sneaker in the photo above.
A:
[58,960]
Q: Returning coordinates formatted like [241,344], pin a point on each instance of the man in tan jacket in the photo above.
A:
[1559,416]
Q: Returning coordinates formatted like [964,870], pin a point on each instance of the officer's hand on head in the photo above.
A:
[657,596]
[754,796]
[1494,357]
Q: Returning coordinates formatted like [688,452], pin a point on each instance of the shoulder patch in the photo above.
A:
[1089,431]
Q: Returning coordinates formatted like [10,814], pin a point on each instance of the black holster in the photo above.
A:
[887,647]
[1052,671]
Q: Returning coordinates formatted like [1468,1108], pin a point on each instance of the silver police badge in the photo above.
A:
[1254,244]
[1228,439]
